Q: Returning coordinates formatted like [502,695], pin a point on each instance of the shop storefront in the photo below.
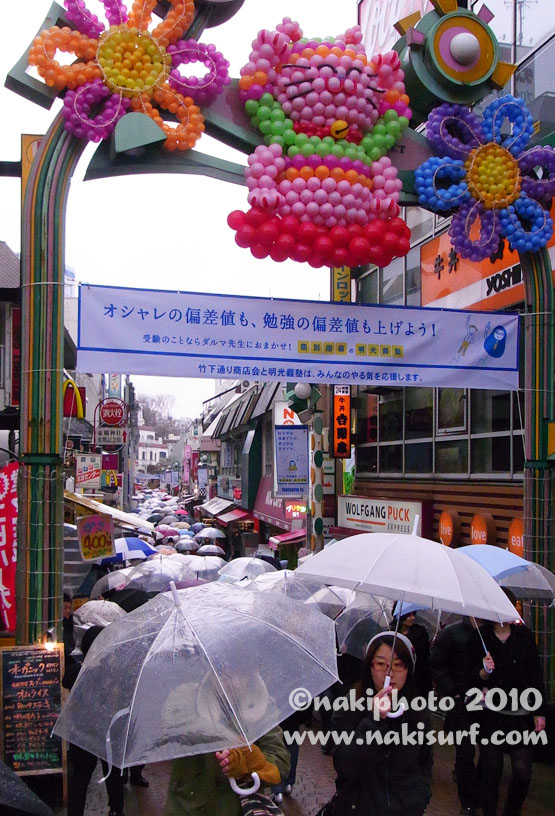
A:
[241,528]
[279,517]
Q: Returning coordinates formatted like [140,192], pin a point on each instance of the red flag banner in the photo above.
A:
[8,545]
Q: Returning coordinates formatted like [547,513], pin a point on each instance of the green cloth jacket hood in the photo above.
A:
[199,788]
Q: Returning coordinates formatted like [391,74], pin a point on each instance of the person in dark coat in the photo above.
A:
[376,778]
[67,623]
[82,763]
[511,663]
[418,636]
[449,668]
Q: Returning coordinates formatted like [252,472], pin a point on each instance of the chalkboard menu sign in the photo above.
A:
[30,686]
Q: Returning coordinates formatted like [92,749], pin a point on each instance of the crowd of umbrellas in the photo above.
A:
[211,650]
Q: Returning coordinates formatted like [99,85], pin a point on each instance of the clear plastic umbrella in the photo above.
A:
[241,568]
[211,549]
[156,575]
[209,534]
[112,580]
[196,671]
[361,619]
[206,567]
[329,600]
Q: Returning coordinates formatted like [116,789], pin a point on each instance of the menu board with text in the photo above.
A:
[31,695]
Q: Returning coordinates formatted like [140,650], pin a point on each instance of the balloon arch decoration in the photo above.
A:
[318,119]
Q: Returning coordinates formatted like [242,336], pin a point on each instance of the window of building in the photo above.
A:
[419,413]
[392,283]
[163,455]
[143,456]
[412,280]
[368,289]
[391,416]
[420,222]
[439,431]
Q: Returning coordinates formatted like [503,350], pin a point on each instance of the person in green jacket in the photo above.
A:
[199,784]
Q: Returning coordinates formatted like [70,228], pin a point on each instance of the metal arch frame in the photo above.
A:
[40,531]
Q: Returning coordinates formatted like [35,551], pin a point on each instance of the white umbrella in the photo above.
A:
[241,568]
[210,533]
[413,569]
[211,549]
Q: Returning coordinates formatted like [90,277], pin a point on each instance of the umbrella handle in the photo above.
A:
[401,710]
[245,791]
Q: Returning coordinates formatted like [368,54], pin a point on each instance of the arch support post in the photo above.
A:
[539,470]
[40,531]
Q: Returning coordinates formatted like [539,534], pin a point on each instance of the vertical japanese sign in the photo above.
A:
[341,284]
[291,460]
[96,536]
[16,355]
[8,545]
[341,421]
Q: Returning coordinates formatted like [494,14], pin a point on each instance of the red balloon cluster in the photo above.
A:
[285,238]
[354,133]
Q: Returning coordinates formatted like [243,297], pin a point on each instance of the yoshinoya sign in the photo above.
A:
[378,515]
[188,334]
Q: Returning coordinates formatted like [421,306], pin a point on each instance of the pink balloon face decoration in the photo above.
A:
[321,188]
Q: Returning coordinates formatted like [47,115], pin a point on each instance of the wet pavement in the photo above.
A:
[315,786]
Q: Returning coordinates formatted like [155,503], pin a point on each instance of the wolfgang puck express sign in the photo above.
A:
[379,515]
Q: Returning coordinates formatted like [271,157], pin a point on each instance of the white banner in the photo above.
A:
[143,331]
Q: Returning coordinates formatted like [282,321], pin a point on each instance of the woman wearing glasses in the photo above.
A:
[381,773]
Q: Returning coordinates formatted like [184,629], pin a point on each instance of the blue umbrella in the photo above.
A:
[129,549]
[495,560]
[524,578]
[197,527]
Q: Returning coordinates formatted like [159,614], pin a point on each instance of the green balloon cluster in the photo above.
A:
[267,115]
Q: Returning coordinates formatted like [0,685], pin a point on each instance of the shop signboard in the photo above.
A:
[483,529]
[30,702]
[87,470]
[110,435]
[291,461]
[8,545]
[449,527]
[341,422]
[516,537]
[284,414]
[189,334]
[295,509]
[96,536]
[378,515]
[341,284]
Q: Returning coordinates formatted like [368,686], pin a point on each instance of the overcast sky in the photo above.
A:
[165,231]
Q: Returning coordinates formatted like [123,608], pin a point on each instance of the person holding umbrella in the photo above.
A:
[383,779]
[511,663]
[199,784]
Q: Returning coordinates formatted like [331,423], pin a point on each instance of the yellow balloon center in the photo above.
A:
[132,61]
[493,176]
[339,129]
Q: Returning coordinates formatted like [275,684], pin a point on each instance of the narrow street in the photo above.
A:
[315,786]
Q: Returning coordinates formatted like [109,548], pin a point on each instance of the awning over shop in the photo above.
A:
[121,518]
[215,506]
[235,515]
[269,509]
[288,538]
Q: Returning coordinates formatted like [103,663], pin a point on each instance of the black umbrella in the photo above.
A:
[270,559]
[155,517]
[128,599]
[16,799]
